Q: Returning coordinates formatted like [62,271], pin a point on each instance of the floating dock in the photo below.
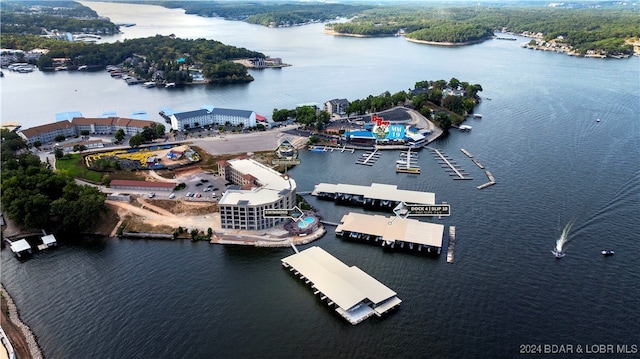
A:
[376,196]
[452,244]
[466,153]
[450,165]
[408,167]
[391,232]
[368,158]
[491,182]
[354,294]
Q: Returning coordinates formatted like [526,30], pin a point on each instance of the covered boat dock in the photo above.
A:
[354,294]
[392,232]
[377,195]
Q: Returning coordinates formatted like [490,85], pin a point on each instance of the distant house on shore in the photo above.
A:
[337,106]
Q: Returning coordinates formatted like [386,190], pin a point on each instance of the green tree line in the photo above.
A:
[35,196]
[145,56]
[32,17]
[584,29]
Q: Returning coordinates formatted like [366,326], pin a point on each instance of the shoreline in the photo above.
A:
[35,351]
[436,43]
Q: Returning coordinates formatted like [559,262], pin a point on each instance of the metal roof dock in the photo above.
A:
[355,294]
[21,247]
[391,232]
[377,191]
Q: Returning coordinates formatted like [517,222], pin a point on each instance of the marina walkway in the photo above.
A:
[451,164]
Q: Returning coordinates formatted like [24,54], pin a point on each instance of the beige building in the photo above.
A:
[257,187]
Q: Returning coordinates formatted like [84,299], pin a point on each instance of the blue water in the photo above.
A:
[553,163]
[304,223]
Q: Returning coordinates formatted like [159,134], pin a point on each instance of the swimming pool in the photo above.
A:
[305,222]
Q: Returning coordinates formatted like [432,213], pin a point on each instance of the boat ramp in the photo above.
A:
[354,294]
[376,196]
[407,234]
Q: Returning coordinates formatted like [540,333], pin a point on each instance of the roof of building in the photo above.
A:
[405,230]
[339,101]
[272,184]
[20,245]
[189,114]
[132,183]
[378,191]
[345,286]
[49,127]
[209,109]
[112,121]
[48,239]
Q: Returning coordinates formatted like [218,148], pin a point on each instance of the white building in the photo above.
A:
[209,115]
[258,188]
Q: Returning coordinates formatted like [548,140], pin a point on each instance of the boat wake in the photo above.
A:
[558,251]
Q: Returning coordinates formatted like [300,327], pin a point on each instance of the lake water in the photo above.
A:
[552,161]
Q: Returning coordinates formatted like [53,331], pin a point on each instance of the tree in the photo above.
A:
[79,148]
[160,130]
[58,153]
[84,132]
[79,206]
[37,144]
[136,140]
[59,138]
[454,83]
[119,135]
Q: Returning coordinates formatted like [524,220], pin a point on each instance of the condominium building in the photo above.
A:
[209,115]
[258,187]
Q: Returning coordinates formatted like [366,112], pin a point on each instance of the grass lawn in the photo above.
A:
[72,165]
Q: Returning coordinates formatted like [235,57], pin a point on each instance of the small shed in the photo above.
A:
[49,240]
[21,247]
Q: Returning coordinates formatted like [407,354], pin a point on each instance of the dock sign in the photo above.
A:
[429,210]
[404,210]
[285,161]
[294,213]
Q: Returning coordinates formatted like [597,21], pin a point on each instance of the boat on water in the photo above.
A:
[401,162]
[464,128]
[607,253]
[149,84]
[557,253]
[83,67]
[170,84]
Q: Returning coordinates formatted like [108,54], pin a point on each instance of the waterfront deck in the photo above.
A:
[354,294]
[391,232]
[374,196]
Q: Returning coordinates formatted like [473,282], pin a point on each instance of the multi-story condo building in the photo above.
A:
[258,187]
[102,126]
[209,115]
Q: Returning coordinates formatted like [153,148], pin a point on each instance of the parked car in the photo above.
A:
[198,195]
[189,194]
[208,189]
[199,184]
[152,194]
[204,180]
[172,196]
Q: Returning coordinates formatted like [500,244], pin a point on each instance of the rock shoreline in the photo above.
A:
[14,316]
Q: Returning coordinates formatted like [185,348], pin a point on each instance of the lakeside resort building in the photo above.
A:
[257,187]
[48,132]
[210,115]
[354,294]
